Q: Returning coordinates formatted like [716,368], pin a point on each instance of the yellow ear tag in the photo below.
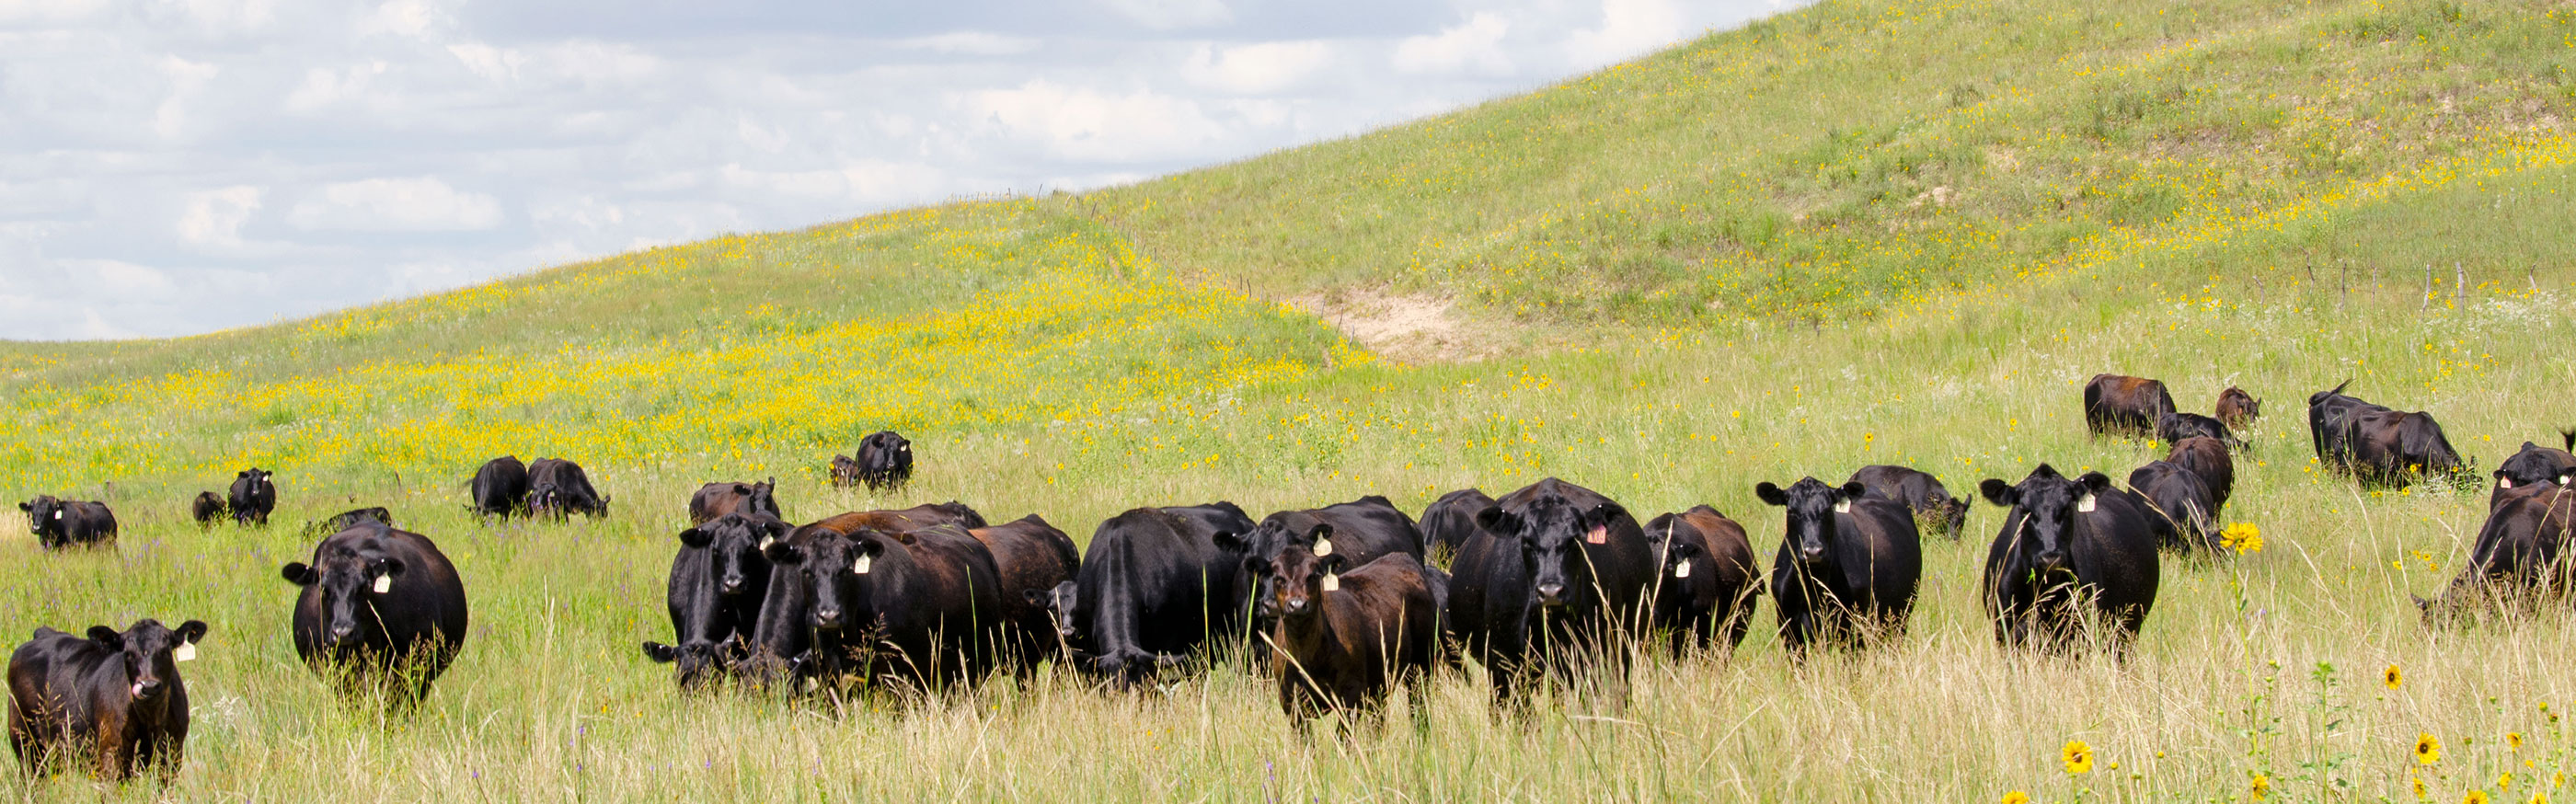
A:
[1597,536]
[2084,504]
[861,566]
[1323,547]
[2504,482]
[1682,570]
[766,541]
[185,651]
[1332,582]
[1843,507]
[384,583]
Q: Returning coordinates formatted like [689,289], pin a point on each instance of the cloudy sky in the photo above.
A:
[170,167]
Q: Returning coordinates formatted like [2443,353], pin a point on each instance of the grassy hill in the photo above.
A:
[1862,232]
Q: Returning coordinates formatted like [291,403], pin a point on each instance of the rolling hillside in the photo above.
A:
[1862,232]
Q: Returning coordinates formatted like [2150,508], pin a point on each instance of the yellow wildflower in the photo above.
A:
[2392,677]
[2016,797]
[2077,756]
[2242,537]
[2428,748]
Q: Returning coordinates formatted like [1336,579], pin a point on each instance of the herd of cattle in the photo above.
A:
[1552,583]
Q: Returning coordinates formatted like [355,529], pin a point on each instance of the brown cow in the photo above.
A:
[2208,458]
[2118,405]
[1346,636]
[2236,408]
[1709,579]
[1033,558]
[903,520]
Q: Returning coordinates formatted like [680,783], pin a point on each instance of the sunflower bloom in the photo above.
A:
[2428,748]
[2262,786]
[2242,537]
[2392,677]
[2513,740]
[2539,797]
[2474,797]
[2077,756]
[2016,797]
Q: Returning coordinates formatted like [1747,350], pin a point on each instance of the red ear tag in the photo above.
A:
[1597,536]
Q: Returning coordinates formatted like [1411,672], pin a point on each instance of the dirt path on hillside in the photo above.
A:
[1407,328]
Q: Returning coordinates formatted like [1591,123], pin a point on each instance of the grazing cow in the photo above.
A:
[2392,448]
[1553,585]
[349,519]
[2238,409]
[884,462]
[1359,530]
[902,520]
[559,488]
[2069,550]
[253,496]
[1154,587]
[2520,559]
[2118,405]
[1934,509]
[1707,585]
[2535,464]
[1450,521]
[2174,427]
[1345,636]
[207,508]
[60,523]
[381,613]
[921,609]
[719,578]
[114,697]
[1033,558]
[1848,566]
[2208,458]
[501,487]
[2330,415]
[718,499]
[2181,511]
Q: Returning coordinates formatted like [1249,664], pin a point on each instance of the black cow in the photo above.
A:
[1450,521]
[381,614]
[254,494]
[1554,585]
[1360,530]
[2237,409]
[2521,557]
[2174,427]
[920,610]
[2072,553]
[1934,509]
[1345,636]
[2330,415]
[719,579]
[2536,464]
[1154,587]
[559,488]
[779,646]
[2208,458]
[501,487]
[884,462]
[2393,448]
[718,499]
[1848,565]
[113,698]
[60,523]
[2118,405]
[349,519]
[1033,558]
[1707,586]
[2181,512]
[207,508]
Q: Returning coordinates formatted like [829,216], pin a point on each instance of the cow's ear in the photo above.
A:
[106,636]
[1320,533]
[1687,550]
[1997,492]
[1333,564]
[777,527]
[783,553]
[1256,565]
[1493,519]
[296,573]
[871,547]
[1607,511]
[742,489]
[192,631]
[1230,541]
[388,567]
[1036,598]
[660,653]
[241,474]
[26,507]
[1770,493]
[1854,491]
[2096,482]
[694,537]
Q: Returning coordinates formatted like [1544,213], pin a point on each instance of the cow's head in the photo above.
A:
[151,653]
[2320,397]
[698,662]
[844,469]
[1551,531]
[44,514]
[1297,573]
[734,544]
[838,569]
[1949,515]
[1677,554]
[1813,532]
[762,497]
[350,580]
[258,481]
[547,499]
[2049,503]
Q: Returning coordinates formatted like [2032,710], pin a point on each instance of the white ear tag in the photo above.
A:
[2084,504]
[1332,582]
[58,514]
[1843,507]
[185,651]
[1323,547]
[766,541]
[2504,482]
[1682,570]
[1597,536]
[861,566]
[384,583]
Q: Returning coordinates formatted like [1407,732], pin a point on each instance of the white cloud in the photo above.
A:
[1084,124]
[214,218]
[324,86]
[15,12]
[972,43]
[415,19]
[1473,46]
[187,78]
[1257,69]
[1165,15]
[422,204]
[1628,28]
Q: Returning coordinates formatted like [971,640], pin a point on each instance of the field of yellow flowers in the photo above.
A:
[2210,193]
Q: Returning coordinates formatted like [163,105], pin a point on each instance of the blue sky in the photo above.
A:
[170,167]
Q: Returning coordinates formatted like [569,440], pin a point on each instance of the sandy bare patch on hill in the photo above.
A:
[1408,328]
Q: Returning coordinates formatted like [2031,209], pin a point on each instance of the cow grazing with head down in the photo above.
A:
[2393,448]
[206,508]
[254,495]
[2330,415]
[1450,521]
[2072,552]
[718,499]
[1848,567]
[115,698]
[559,488]
[1033,559]
[59,523]
[2238,409]
[1934,509]
[1554,585]
[1708,581]
[2521,558]
[1154,588]
[2533,465]
[501,487]
[2118,405]
[2207,458]
[1346,635]
[719,579]
[381,614]
[2181,511]
[884,462]
[900,520]
[1360,531]
[2174,427]
[918,610]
